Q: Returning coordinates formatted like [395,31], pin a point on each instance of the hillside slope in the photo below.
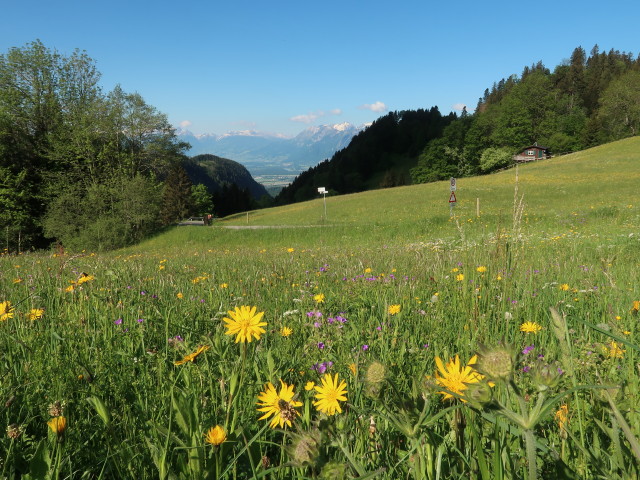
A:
[216,172]
[606,176]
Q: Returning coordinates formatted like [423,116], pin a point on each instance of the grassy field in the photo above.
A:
[493,346]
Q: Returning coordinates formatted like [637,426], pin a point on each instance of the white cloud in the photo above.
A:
[374,107]
[308,118]
[458,106]
[313,116]
[185,123]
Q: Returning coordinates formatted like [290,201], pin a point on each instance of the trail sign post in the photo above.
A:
[452,198]
[323,191]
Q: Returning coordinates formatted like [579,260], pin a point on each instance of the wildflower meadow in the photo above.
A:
[496,342]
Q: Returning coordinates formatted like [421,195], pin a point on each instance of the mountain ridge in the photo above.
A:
[272,154]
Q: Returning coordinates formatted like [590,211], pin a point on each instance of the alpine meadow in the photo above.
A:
[385,333]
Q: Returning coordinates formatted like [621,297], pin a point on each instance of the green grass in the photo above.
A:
[107,348]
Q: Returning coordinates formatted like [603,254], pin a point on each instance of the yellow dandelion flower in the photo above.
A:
[290,250]
[455,377]
[224,285]
[281,405]
[286,331]
[215,435]
[454,270]
[192,356]
[564,287]
[71,287]
[460,277]
[35,313]
[58,425]
[17,280]
[367,270]
[394,309]
[530,327]
[179,295]
[636,307]
[319,298]
[245,323]
[330,394]
[481,269]
[6,311]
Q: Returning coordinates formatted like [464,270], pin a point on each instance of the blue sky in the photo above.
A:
[282,66]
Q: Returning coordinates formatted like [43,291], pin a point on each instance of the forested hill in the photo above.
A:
[216,172]
[377,157]
[585,101]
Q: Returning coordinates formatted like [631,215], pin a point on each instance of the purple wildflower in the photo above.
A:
[365,348]
[527,350]
[118,322]
[321,345]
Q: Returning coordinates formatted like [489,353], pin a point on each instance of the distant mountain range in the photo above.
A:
[264,154]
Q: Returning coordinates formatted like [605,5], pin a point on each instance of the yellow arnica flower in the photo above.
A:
[281,405]
[6,311]
[245,324]
[530,327]
[636,306]
[319,298]
[481,269]
[455,377]
[310,385]
[179,295]
[330,394]
[85,277]
[192,356]
[58,425]
[35,313]
[460,277]
[562,416]
[615,350]
[286,331]
[216,435]
[394,309]
[564,287]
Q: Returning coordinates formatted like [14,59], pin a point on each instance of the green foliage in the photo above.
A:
[620,106]
[495,158]
[58,129]
[177,196]
[105,215]
[201,200]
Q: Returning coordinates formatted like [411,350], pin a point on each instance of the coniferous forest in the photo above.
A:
[91,169]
